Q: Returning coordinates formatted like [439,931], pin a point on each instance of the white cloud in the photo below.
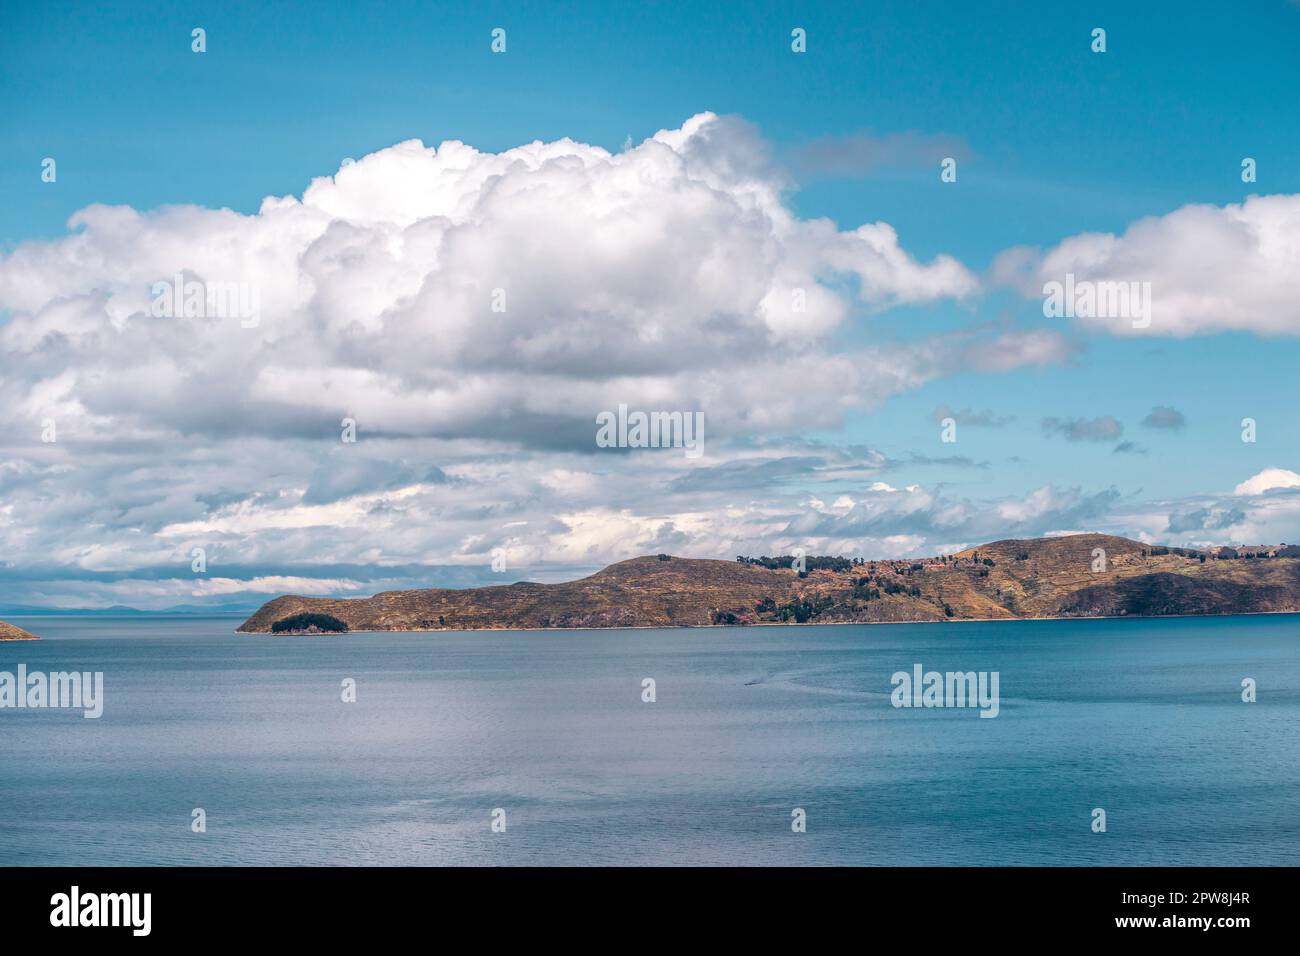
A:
[1211,268]
[663,275]
[1267,480]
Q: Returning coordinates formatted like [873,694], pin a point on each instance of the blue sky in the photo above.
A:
[1053,141]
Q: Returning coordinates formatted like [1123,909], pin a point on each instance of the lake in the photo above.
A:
[1141,718]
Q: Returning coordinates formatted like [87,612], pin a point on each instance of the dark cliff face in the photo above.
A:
[1164,594]
[9,632]
[1046,577]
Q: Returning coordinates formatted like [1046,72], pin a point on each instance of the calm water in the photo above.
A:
[1142,718]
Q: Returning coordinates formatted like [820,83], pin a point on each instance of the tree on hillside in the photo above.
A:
[324,623]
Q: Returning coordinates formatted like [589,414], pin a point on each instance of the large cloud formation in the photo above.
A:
[473,312]
[451,292]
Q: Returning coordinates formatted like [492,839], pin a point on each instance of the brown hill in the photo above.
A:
[1046,577]
[640,592]
[10,633]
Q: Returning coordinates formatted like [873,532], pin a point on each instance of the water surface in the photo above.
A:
[1143,718]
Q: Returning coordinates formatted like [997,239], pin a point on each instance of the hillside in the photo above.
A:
[640,592]
[10,633]
[1046,577]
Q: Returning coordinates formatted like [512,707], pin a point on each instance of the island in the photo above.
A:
[1080,575]
[10,633]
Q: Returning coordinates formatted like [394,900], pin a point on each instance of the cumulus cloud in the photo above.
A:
[1205,519]
[456,293]
[1267,480]
[1210,268]
[1264,509]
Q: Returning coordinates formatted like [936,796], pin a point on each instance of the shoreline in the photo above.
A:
[702,627]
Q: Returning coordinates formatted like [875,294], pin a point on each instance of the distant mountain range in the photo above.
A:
[10,632]
[1084,575]
[22,610]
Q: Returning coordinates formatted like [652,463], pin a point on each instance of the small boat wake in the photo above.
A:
[806,680]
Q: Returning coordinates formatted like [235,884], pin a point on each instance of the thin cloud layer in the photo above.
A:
[857,154]
[1162,416]
[1105,428]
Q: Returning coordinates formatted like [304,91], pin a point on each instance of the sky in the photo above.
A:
[472,254]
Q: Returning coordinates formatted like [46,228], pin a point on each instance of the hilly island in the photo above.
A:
[10,633]
[1081,575]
